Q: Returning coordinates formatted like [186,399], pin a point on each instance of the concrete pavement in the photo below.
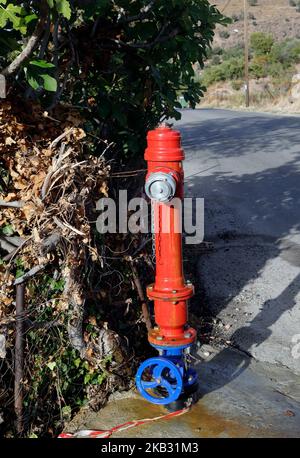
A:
[238,397]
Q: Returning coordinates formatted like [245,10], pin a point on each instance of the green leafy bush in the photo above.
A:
[229,69]
[259,66]
[216,59]
[269,59]
[261,43]
[129,63]
[276,70]
[287,52]
[234,52]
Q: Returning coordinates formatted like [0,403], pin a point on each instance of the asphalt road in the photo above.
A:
[247,168]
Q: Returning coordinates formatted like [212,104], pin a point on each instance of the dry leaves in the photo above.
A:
[46,166]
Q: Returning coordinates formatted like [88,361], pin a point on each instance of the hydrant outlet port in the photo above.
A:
[160,186]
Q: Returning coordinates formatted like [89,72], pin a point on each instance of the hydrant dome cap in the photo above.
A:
[164,145]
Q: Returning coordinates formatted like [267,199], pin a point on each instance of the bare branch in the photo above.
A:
[13,253]
[13,204]
[60,137]
[64,225]
[143,45]
[145,11]
[10,243]
[29,274]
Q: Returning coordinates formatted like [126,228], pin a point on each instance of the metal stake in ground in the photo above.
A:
[19,357]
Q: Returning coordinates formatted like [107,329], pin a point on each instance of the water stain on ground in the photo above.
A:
[199,422]
[208,424]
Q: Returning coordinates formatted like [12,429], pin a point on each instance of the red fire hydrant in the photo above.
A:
[167,378]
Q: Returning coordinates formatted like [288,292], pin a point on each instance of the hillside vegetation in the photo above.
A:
[281,18]
[274,57]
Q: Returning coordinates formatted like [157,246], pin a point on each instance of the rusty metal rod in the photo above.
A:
[140,291]
[19,357]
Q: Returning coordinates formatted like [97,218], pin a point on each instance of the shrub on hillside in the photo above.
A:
[216,59]
[277,70]
[229,70]
[263,66]
[212,75]
[269,59]
[236,51]
[224,34]
[234,68]
[287,52]
[259,67]
[237,84]
[217,50]
[261,43]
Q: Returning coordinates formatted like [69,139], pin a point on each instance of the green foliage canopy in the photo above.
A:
[122,62]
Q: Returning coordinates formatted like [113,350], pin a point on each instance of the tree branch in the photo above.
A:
[12,204]
[29,274]
[143,45]
[32,42]
[143,13]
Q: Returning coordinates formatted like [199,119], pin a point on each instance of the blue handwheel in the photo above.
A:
[161,375]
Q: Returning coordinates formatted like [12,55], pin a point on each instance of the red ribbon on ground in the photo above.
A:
[102,434]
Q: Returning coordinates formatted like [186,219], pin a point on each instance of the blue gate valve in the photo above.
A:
[164,374]
[162,379]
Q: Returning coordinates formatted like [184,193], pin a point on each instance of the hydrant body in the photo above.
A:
[171,336]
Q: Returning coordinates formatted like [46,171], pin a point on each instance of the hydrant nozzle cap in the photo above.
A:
[164,145]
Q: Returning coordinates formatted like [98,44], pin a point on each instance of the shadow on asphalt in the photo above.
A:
[273,198]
